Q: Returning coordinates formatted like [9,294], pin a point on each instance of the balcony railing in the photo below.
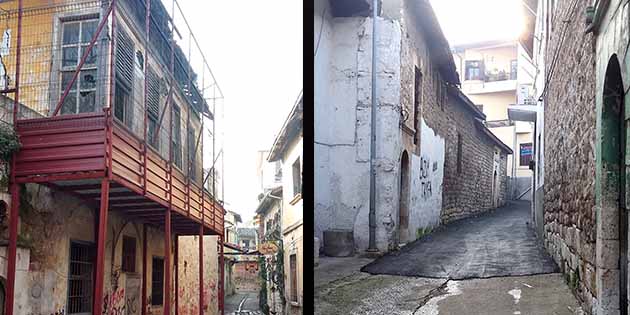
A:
[112,88]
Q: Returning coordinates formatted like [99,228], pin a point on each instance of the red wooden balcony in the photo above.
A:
[72,153]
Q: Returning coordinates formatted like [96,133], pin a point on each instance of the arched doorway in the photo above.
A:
[612,218]
[403,210]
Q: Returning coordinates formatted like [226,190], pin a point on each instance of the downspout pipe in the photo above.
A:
[372,216]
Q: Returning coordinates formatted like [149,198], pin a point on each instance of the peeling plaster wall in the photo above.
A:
[188,274]
[427,172]
[342,129]
[48,227]
[342,111]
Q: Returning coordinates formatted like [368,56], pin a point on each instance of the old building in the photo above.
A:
[270,211]
[108,181]
[287,149]
[435,160]
[496,76]
[247,238]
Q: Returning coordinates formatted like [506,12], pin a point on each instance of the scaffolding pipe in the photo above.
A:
[14,187]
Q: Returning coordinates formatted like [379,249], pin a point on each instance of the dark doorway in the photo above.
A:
[403,211]
[613,193]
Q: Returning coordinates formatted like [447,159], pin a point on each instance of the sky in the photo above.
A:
[254,49]
[466,21]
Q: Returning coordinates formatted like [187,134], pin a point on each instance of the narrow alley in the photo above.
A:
[488,264]
[471,157]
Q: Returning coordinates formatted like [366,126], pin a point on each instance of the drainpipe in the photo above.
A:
[372,217]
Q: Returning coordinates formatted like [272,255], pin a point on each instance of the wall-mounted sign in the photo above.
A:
[268,248]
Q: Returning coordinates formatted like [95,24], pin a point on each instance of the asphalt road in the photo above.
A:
[497,243]
[242,303]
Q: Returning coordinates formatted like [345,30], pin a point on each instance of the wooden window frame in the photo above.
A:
[79,88]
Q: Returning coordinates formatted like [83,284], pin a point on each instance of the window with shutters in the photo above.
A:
[153,107]
[177,132]
[80,278]
[192,142]
[123,110]
[297,177]
[75,39]
[129,254]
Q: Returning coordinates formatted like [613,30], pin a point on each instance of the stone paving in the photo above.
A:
[497,243]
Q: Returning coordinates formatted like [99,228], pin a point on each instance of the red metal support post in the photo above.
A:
[176,263]
[147,28]
[97,298]
[167,262]
[201,269]
[221,277]
[144,270]
[12,250]
[14,188]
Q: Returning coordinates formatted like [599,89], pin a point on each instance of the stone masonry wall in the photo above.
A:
[468,192]
[569,153]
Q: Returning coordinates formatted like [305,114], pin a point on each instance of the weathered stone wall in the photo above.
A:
[470,191]
[569,152]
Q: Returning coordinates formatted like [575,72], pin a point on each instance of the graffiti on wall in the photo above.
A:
[425,181]
[132,296]
[114,302]
[427,172]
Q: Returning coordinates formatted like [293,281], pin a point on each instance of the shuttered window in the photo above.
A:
[124,57]
[153,107]
[177,138]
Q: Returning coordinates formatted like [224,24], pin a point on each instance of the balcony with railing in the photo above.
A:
[113,102]
[479,79]
[111,93]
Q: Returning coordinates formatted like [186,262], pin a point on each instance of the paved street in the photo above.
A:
[494,245]
[242,303]
[497,243]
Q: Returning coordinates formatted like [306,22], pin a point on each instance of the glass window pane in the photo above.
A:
[88,79]
[87,101]
[70,57]
[89,28]
[69,104]
[91,58]
[71,33]
[65,81]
